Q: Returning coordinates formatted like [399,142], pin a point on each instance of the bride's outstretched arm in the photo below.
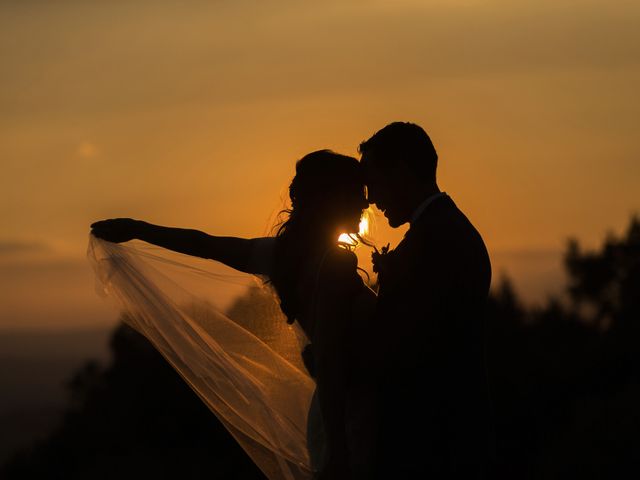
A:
[232,251]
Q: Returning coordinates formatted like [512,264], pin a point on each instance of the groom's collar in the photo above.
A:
[422,207]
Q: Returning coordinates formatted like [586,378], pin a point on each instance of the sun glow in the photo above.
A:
[363,231]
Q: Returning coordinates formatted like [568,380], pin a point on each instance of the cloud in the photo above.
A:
[10,247]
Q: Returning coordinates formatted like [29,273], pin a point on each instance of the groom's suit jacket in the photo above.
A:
[428,340]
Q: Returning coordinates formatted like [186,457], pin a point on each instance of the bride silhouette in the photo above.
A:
[289,386]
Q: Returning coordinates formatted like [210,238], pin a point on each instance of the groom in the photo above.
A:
[427,342]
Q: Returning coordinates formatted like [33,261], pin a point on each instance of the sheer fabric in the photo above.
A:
[244,360]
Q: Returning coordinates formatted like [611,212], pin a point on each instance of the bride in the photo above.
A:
[314,421]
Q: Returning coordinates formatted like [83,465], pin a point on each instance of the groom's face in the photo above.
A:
[384,190]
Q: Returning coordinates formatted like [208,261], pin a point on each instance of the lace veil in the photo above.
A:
[242,358]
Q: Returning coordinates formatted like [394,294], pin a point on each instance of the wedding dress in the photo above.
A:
[242,359]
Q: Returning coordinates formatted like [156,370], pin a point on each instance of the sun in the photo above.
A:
[363,230]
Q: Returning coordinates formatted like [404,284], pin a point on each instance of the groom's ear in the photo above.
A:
[404,170]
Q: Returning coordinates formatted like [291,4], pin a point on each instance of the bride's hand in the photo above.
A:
[116,230]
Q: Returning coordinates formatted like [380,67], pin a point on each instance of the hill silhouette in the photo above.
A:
[135,418]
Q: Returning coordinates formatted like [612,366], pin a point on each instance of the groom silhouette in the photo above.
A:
[427,334]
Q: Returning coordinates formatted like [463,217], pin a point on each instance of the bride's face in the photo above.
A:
[350,207]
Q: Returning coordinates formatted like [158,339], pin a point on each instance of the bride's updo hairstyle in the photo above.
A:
[324,184]
[324,180]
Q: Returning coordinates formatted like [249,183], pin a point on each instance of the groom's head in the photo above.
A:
[400,169]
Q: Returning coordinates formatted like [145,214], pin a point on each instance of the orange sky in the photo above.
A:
[193,114]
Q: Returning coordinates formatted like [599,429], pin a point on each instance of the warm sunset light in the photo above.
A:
[190,118]
[363,227]
[363,230]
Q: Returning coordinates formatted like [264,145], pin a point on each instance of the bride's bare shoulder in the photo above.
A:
[262,255]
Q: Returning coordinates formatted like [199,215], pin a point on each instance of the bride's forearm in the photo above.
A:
[232,251]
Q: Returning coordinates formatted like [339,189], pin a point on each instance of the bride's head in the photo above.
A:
[327,197]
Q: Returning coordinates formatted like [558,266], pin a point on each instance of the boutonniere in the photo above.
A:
[380,260]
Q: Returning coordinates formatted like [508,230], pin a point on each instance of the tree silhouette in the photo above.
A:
[134,419]
[565,377]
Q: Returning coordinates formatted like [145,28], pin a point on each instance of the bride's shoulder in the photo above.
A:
[261,258]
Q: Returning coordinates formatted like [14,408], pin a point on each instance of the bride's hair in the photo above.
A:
[323,180]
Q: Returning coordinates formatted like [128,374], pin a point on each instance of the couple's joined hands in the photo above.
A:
[116,230]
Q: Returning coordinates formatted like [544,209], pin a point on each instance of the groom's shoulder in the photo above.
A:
[441,216]
[448,225]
